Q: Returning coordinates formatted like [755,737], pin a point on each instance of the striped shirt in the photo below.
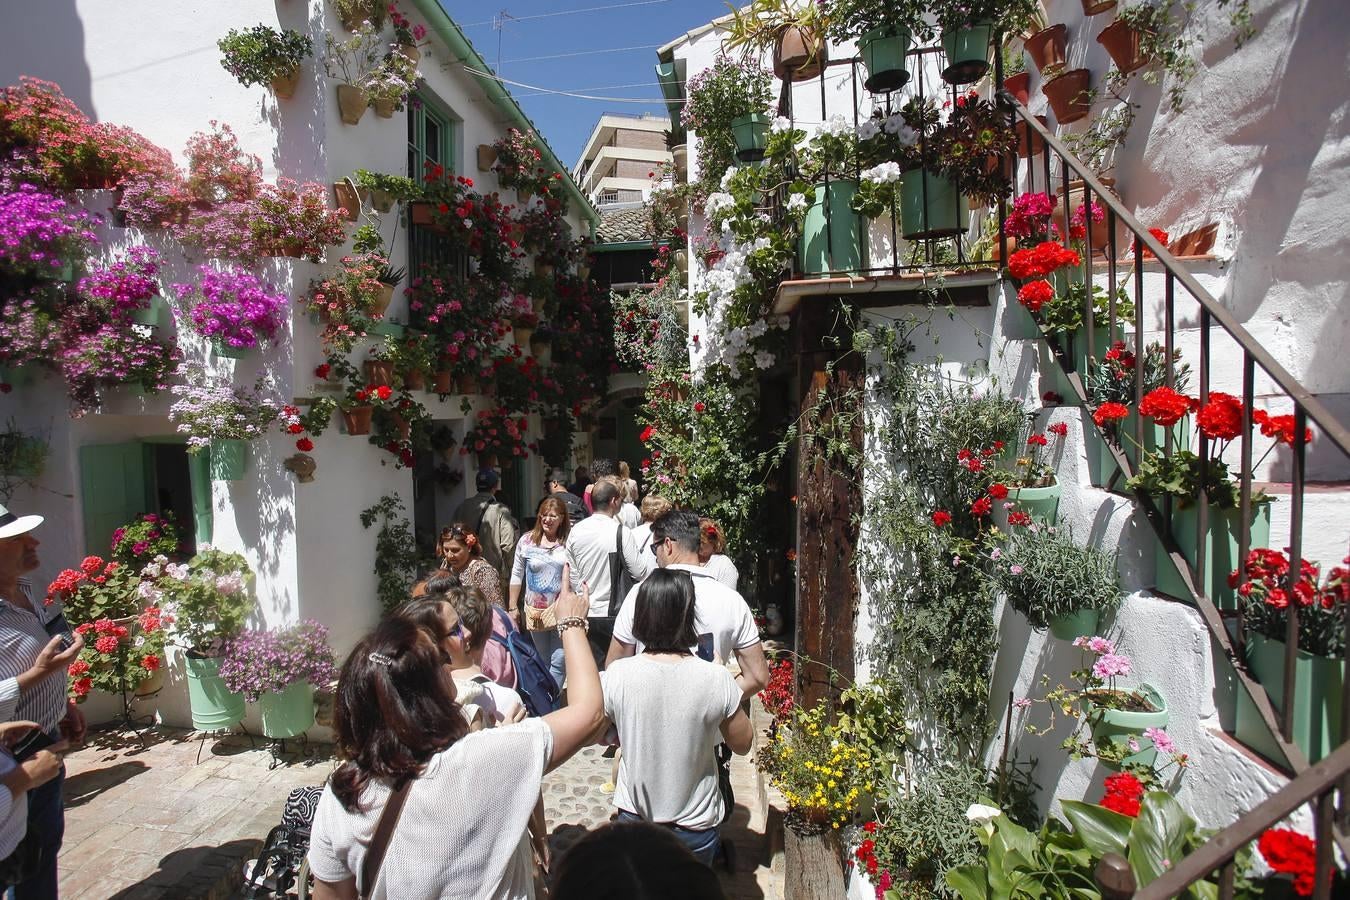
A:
[23,634]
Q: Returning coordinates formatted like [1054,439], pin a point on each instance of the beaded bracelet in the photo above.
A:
[573,622]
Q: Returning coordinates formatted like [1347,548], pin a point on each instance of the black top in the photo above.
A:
[576,510]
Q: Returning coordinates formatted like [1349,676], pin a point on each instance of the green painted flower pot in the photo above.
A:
[967,52]
[229,459]
[1075,346]
[288,712]
[1102,465]
[152,315]
[1082,623]
[1114,728]
[1317,699]
[1221,550]
[225,351]
[931,206]
[1041,503]
[832,233]
[883,54]
[213,706]
[752,136]
[16,376]
[1018,323]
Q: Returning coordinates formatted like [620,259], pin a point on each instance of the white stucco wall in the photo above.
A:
[156,69]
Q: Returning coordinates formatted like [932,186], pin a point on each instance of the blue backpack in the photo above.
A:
[535,685]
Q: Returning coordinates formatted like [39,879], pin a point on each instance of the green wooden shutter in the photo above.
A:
[112,480]
[199,469]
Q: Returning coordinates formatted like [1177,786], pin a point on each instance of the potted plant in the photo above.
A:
[45,235]
[120,659]
[794,31]
[832,232]
[353,295]
[359,398]
[1047,48]
[1064,316]
[1319,667]
[204,603]
[388,85]
[727,107]
[884,30]
[263,55]
[1069,93]
[408,36]
[279,670]
[351,61]
[385,190]
[295,220]
[1054,582]
[1111,380]
[412,357]
[233,309]
[497,434]
[145,537]
[125,289]
[358,15]
[966,28]
[1016,78]
[23,457]
[219,417]
[1032,489]
[517,163]
[97,590]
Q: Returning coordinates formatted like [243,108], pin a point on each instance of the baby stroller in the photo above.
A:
[281,870]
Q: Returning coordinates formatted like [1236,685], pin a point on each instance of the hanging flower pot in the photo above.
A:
[1122,42]
[682,260]
[152,685]
[832,233]
[379,372]
[542,353]
[543,269]
[799,54]
[348,199]
[415,380]
[1019,86]
[357,419]
[423,215]
[289,712]
[1047,48]
[1222,532]
[467,384]
[1317,698]
[583,271]
[229,459]
[381,200]
[487,155]
[402,425]
[152,314]
[214,707]
[679,155]
[1068,95]
[1080,623]
[883,54]
[442,382]
[384,108]
[931,206]
[410,53]
[283,86]
[1092,7]
[967,52]
[228,351]
[1101,234]
[523,335]
[383,298]
[1113,729]
[351,103]
[752,136]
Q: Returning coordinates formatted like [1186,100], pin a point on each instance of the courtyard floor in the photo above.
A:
[167,815]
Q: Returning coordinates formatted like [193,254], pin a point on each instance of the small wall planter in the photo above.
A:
[423,215]
[1115,727]
[383,298]
[467,384]
[1041,503]
[284,86]
[799,54]
[348,198]
[931,206]
[227,351]
[214,708]
[1028,142]
[967,52]
[411,53]
[679,156]
[832,233]
[1069,626]
[1019,86]
[1092,7]
[487,155]
[379,372]
[1068,95]
[384,108]
[152,315]
[1317,698]
[357,419]
[1122,43]
[1221,550]
[381,200]
[351,103]
[523,335]
[415,380]
[883,54]
[288,712]
[229,459]
[442,382]
[752,136]
[1047,48]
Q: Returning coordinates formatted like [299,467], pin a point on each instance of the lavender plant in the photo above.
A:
[209,408]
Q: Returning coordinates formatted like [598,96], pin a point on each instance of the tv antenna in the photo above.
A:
[499,25]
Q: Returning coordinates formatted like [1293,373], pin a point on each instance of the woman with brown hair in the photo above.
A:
[407,755]
[536,580]
[461,554]
[711,543]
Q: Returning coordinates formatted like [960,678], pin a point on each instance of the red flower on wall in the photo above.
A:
[1221,417]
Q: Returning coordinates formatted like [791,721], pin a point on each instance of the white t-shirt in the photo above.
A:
[723,569]
[461,835]
[718,611]
[669,715]
[630,516]
[589,544]
[498,703]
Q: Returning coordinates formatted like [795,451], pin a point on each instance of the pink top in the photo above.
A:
[496,663]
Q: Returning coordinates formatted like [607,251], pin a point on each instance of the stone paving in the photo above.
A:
[151,821]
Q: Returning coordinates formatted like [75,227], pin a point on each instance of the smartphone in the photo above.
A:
[67,639]
[30,744]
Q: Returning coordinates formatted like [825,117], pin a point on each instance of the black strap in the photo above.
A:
[384,830]
[482,514]
[617,567]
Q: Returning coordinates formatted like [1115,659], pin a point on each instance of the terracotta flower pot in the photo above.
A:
[1101,239]
[351,103]
[348,199]
[1019,86]
[357,419]
[284,86]
[382,300]
[522,335]
[487,155]
[413,55]
[403,425]
[1047,47]
[467,384]
[1092,7]
[1068,95]
[1122,42]
[442,382]
[415,380]
[378,372]
[799,54]
[384,108]
[1028,142]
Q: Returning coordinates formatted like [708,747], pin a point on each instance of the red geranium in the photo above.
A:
[304,445]
[998,491]
[1059,429]
[1037,440]
[941,517]
[1281,428]
[1109,413]
[1165,406]
[699,407]
[1017,517]
[981,507]
[647,434]
[1291,853]
[1035,294]
[1123,793]
[1221,417]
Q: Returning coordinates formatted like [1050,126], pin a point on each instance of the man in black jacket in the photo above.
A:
[555,482]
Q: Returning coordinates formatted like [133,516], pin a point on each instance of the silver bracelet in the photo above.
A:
[573,622]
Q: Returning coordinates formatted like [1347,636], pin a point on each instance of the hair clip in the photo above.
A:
[381,659]
[470,540]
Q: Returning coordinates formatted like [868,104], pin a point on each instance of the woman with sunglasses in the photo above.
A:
[671,709]
[461,555]
[399,733]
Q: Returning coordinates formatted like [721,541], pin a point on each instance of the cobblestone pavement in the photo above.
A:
[151,821]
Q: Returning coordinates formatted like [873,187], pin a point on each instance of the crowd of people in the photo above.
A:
[609,621]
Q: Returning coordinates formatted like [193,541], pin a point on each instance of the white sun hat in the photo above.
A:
[13,526]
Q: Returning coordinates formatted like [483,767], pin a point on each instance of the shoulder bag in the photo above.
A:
[384,830]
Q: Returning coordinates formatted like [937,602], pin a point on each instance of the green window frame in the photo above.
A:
[432,138]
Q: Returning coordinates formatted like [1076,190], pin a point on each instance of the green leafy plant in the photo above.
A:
[1011,16]
[354,12]
[397,186]
[1163,39]
[757,28]
[1066,312]
[725,91]
[1111,378]
[1180,474]
[260,55]
[397,561]
[848,19]
[1044,574]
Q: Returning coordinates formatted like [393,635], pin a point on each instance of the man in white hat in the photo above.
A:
[33,663]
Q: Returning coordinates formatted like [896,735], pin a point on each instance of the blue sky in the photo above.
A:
[531,51]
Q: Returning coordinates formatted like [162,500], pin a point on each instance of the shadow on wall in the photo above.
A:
[299,121]
[56,51]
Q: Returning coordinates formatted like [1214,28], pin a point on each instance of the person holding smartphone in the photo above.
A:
[34,656]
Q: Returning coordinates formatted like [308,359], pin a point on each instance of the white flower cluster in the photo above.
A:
[717,202]
[837,125]
[780,125]
[868,129]
[895,124]
[882,173]
[797,201]
[721,341]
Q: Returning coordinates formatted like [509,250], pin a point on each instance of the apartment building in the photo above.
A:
[619,156]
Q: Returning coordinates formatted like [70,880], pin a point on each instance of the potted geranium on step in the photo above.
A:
[1030,490]
[280,670]
[1054,582]
[1110,379]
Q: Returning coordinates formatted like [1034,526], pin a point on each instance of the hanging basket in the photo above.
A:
[283,86]
[1047,48]
[1081,623]
[357,420]
[832,233]
[752,136]
[487,155]
[410,53]
[229,459]
[931,206]
[348,198]
[381,200]
[883,54]
[967,52]
[1068,95]
[351,103]
[799,54]
[1122,43]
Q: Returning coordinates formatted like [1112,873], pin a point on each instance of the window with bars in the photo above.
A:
[431,141]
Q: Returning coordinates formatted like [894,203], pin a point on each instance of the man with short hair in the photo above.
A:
[603,557]
[601,468]
[581,480]
[491,520]
[555,485]
[722,618]
[31,660]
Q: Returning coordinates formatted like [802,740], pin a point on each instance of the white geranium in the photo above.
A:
[982,814]
[868,129]
[764,359]
[725,183]
[716,202]
[796,201]
[780,124]
[836,125]
[883,173]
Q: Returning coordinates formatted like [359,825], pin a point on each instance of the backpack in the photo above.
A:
[536,686]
